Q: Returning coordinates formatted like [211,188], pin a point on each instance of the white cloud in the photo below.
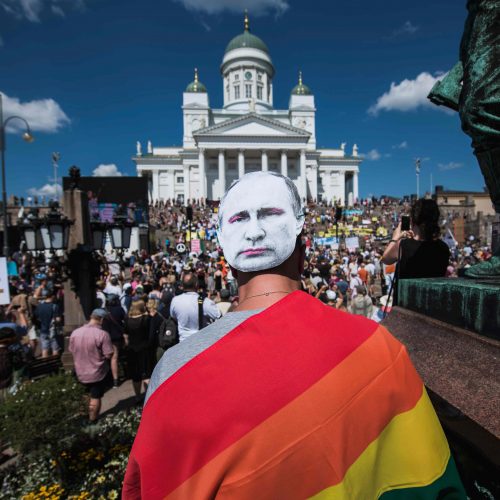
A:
[32,10]
[256,7]
[57,10]
[452,165]
[107,170]
[372,155]
[402,145]
[47,190]
[406,29]
[44,115]
[407,95]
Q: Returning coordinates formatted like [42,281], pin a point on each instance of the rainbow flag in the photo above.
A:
[299,401]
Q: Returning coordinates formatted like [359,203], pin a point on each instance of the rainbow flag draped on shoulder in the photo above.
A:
[298,401]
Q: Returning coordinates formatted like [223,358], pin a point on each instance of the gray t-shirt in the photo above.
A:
[176,357]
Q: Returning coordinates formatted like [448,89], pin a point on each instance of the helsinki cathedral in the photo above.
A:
[247,134]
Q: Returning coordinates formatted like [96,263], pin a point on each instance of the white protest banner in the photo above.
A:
[352,243]
[4,283]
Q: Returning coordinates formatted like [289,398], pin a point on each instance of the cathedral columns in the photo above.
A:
[264,163]
[241,163]
[156,185]
[303,178]
[187,183]
[222,173]
[342,186]
[202,174]
[355,186]
[314,183]
[284,164]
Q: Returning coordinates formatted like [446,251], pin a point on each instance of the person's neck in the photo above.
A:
[259,291]
[417,233]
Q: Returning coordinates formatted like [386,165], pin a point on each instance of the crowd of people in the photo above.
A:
[349,264]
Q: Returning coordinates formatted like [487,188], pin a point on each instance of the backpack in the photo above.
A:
[168,334]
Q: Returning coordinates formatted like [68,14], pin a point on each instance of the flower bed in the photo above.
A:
[87,463]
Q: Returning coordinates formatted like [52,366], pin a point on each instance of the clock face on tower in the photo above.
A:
[248,75]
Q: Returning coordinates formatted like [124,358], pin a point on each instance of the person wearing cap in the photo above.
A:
[92,350]
[285,397]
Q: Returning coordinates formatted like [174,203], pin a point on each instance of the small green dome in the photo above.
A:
[300,88]
[196,85]
[246,40]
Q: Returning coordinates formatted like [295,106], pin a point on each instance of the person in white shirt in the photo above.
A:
[113,287]
[354,283]
[184,308]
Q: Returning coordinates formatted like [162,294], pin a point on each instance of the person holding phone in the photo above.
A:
[417,248]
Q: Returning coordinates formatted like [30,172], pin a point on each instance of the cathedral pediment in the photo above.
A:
[251,124]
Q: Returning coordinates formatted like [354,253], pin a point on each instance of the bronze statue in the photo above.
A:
[472,88]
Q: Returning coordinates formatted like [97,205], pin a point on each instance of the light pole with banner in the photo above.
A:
[28,137]
[55,163]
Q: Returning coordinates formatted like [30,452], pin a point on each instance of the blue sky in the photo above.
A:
[95,76]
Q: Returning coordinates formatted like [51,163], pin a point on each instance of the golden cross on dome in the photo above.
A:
[247,25]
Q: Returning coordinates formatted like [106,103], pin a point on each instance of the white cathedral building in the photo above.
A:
[247,134]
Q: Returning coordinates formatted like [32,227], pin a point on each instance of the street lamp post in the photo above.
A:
[28,137]
[417,171]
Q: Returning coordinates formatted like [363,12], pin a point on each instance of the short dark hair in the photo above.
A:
[189,281]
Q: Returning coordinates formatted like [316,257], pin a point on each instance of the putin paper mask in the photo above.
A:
[259,221]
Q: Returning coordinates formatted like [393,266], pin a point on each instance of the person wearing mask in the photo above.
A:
[285,397]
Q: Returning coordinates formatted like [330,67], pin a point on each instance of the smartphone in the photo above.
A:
[405,223]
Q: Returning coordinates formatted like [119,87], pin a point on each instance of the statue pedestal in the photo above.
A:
[473,304]
[78,304]
[460,370]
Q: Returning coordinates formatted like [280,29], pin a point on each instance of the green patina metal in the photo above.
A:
[446,92]
[472,88]
[300,88]
[247,40]
[196,85]
[473,305]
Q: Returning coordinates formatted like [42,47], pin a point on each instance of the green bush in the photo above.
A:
[93,465]
[44,415]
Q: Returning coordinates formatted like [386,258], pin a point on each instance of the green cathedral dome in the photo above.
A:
[300,88]
[196,85]
[247,40]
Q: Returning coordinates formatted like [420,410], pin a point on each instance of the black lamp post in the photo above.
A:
[28,137]
[47,233]
[99,231]
[120,229]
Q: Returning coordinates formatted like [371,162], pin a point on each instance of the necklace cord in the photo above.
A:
[261,294]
